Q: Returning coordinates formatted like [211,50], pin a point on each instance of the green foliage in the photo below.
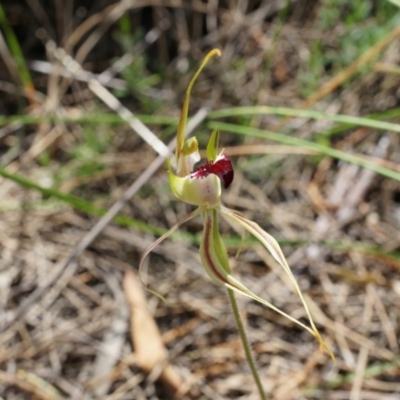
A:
[84,155]
[309,77]
[395,2]
[333,12]
[136,74]
[15,49]
[94,141]
[311,145]
[348,29]
[44,159]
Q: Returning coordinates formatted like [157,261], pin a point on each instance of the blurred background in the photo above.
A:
[306,96]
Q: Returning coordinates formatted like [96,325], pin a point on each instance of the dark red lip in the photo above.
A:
[222,168]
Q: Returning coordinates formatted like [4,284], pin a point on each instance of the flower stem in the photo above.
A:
[246,346]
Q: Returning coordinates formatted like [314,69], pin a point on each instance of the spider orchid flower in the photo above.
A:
[201,187]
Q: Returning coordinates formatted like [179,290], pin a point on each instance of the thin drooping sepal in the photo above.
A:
[185,108]
[214,258]
[193,214]
[273,247]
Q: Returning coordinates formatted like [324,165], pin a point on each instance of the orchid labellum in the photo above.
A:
[201,187]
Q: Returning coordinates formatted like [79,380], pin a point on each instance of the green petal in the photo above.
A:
[158,241]
[212,146]
[273,247]
[215,261]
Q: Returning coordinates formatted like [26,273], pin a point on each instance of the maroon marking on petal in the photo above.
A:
[222,168]
[201,171]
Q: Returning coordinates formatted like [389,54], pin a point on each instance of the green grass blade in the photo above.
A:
[309,114]
[16,51]
[93,119]
[293,141]
[80,204]
[370,372]
[342,127]
[395,2]
[231,241]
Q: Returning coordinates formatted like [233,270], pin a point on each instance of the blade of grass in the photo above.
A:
[395,2]
[342,127]
[80,204]
[231,241]
[293,141]
[94,119]
[345,122]
[292,112]
[19,58]
[370,372]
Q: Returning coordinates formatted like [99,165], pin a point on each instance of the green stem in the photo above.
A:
[246,346]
